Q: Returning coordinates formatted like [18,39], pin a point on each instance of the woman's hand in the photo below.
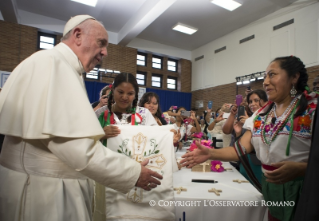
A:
[242,119]
[285,172]
[199,155]
[111,131]
[177,135]
[219,118]
[193,117]
[238,128]
[233,109]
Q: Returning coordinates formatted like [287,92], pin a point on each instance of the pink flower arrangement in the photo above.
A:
[205,143]
[217,166]
[197,135]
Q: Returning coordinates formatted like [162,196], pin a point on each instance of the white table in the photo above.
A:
[204,205]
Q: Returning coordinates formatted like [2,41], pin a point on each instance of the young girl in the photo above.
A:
[122,107]
[150,101]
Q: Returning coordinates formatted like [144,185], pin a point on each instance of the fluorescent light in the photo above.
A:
[260,78]
[101,69]
[86,2]
[108,70]
[239,83]
[117,72]
[246,80]
[227,4]
[184,28]
[252,79]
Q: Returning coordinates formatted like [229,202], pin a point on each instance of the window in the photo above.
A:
[156,80]
[157,62]
[46,41]
[172,83]
[141,78]
[112,73]
[94,74]
[141,59]
[172,65]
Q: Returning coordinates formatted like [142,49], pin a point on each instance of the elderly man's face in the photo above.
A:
[94,43]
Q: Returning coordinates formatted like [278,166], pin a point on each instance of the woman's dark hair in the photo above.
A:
[119,79]
[293,65]
[177,112]
[260,93]
[147,98]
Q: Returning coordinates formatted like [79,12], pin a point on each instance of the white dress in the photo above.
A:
[52,150]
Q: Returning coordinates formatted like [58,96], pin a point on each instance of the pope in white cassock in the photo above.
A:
[52,150]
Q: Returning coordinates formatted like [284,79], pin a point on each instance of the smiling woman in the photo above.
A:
[151,101]
[280,133]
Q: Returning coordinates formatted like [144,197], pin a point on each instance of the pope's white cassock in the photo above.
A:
[52,146]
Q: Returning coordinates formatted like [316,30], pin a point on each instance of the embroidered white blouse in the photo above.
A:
[276,151]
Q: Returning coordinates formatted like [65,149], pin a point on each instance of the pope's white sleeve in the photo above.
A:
[97,162]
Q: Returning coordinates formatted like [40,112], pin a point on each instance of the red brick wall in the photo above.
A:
[17,42]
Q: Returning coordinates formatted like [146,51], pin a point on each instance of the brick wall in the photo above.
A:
[17,42]
[226,93]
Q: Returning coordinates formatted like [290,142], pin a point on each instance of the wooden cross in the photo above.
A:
[180,189]
[216,191]
[204,166]
[241,181]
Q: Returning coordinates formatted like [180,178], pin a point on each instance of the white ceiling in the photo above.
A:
[153,20]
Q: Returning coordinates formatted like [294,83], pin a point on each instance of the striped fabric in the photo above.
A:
[241,152]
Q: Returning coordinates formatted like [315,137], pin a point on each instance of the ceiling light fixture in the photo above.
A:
[246,80]
[239,82]
[86,2]
[261,76]
[184,29]
[252,77]
[227,4]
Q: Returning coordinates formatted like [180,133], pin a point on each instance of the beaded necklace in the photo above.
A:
[279,124]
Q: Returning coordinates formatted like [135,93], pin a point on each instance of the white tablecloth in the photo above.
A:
[200,205]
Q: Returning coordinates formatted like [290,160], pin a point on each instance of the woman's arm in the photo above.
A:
[228,125]
[197,127]
[217,119]
[202,153]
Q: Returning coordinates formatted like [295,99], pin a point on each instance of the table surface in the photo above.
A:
[199,204]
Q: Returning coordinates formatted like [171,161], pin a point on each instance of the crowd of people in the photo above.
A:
[270,142]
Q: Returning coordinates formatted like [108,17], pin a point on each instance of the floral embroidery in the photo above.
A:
[122,150]
[305,121]
[257,123]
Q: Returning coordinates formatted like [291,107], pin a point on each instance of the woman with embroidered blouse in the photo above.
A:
[280,133]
